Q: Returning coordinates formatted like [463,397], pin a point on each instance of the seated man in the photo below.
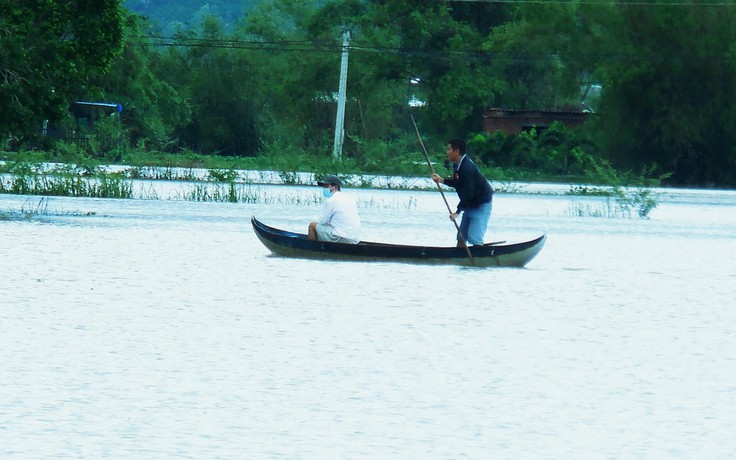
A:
[339,221]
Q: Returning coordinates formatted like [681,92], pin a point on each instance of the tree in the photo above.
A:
[293,76]
[153,108]
[437,45]
[218,82]
[667,74]
[48,51]
[669,95]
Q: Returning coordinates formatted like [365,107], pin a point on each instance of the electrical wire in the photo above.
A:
[470,55]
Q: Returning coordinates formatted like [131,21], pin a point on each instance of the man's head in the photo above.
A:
[329,181]
[455,150]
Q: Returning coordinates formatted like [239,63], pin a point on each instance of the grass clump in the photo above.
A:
[31,209]
[620,203]
[55,184]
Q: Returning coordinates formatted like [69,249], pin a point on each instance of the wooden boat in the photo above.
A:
[290,244]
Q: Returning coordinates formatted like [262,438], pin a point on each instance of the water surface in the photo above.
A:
[164,329]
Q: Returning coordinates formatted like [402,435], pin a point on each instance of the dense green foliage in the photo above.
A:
[671,101]
[262,82]
[48,52]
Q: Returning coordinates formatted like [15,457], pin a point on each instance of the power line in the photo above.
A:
[474,55]
[292,45]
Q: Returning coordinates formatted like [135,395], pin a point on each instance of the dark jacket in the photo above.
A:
[472,188]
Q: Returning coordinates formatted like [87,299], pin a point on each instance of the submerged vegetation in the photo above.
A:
[238,186]
[224,186]
[28,179]
[622,204]
[31,209]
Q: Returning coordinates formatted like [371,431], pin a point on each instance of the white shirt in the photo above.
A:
[341,213]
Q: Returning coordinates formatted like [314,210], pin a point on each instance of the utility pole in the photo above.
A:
[340,118]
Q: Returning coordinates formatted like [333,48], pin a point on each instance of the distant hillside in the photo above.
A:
[169,14]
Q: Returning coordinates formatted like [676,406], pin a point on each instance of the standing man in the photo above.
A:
[339,221]
[474,191]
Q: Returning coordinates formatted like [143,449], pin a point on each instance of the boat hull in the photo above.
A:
[289,244]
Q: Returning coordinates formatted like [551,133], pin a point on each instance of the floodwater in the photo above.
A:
[164,329]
